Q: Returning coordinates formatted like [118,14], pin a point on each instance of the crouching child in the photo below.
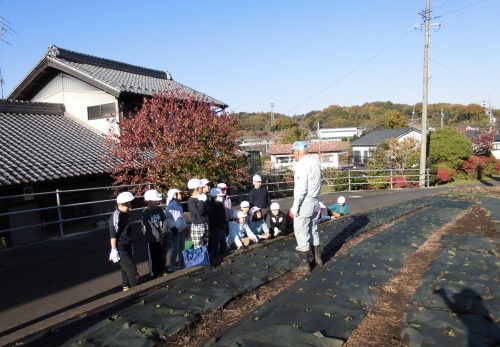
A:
[240,234]
[258,225]
[277,220]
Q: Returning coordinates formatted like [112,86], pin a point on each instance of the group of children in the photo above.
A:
[214,224]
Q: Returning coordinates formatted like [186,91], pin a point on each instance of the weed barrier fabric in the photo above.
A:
[334,299]
[492,205]
[182,301]
[458,302]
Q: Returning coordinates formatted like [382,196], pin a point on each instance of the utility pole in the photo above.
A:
[412,116]
[442,118]
[423,145]
[319,145]
[272,115]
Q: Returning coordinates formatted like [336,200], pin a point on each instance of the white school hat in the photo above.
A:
[275,206]
[152,195]
[124,197]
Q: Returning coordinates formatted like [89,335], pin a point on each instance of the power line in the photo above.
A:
[461,8]
[4,29]
[467,77]
[351,71]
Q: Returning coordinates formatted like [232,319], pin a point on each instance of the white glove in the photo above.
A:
[277,231]
[114,256]
[202,197]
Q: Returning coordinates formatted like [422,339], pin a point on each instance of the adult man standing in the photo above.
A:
[305,205]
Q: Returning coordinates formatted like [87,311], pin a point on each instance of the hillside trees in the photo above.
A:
[173,138]
[392,119]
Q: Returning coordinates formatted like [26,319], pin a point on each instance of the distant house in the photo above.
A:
[362,147]
[338,134]
[327,152]
[95,89]
[496,147]
[43,149]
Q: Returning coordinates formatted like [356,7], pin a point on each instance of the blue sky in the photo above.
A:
[301,55]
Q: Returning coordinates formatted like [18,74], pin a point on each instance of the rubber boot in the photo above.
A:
[317,256]
[304,265]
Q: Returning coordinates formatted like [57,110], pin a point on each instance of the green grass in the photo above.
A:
[464,182]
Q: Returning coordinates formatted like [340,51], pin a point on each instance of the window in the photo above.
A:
[101,111]
[496,146]
[284,159]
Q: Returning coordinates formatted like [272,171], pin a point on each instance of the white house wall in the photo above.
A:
[76,96]
[412,134]
[333,161]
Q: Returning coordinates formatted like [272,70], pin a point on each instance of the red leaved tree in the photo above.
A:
[483,143]
[175,137]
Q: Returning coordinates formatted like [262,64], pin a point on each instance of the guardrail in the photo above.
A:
[279,184]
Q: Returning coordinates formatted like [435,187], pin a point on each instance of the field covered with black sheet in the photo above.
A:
[453,299]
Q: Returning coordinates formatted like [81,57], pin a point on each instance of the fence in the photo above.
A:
[65,215]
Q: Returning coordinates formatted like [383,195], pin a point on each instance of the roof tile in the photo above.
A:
[41,145]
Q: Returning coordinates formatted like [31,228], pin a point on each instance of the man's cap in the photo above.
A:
[204,181]
[215,192]
[222,186]
[152,195]
[299,146]
[124,197]
[275,206]
[257,178]
[341,200]
[195,183]
[244,204]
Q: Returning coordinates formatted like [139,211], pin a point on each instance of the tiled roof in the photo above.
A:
[119,77]
[38,143]
[377,136]
[326,147]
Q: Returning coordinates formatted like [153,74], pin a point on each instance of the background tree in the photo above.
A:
[397,155]
[392,119]
[173,138]
[449,147]
[393,157]
[293,134]
[483,144]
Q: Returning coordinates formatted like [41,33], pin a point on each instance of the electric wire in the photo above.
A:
[356,68]
[465,76]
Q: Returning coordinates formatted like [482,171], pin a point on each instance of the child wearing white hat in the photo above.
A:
[177,226]
[198,210]
[217,245]
[259,196]
[340,209]
[240,234]
[226,201]
[120,234]
[154,228]
[277,220]
[258,225]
